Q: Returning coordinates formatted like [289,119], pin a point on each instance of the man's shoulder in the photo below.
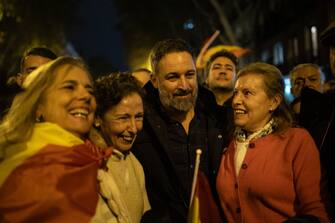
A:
[314,103]
[150,100]
[206,95]
[206,102]
[207,106]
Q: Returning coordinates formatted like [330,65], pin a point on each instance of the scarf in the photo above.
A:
[241,135]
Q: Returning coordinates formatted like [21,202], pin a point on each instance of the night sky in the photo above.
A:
[118,34]
[96,36]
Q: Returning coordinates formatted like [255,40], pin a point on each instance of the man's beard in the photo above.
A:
[171,102]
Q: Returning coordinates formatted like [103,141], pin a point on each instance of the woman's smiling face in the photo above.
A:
[121,123]
[252,106]
[69,102]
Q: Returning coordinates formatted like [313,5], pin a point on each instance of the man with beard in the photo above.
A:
[179,118]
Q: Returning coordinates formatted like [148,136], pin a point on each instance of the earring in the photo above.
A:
[270,111]
[97,124]
[39,119]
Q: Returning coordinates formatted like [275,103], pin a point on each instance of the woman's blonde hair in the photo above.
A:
[17,125]
[274,85]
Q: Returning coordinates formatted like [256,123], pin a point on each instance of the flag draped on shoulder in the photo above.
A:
[50,178]
[203,208]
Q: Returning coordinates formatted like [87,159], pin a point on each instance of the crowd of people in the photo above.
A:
[122,148]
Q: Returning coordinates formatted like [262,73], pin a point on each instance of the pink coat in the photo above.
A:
[279,178]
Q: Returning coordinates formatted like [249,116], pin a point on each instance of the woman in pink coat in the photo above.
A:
[271,171]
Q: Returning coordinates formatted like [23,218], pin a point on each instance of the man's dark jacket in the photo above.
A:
[317,115]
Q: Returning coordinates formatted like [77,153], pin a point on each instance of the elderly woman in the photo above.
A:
[270,171]
[119,119]
[47,171]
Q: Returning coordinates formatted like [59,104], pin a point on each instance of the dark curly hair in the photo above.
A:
[110,89]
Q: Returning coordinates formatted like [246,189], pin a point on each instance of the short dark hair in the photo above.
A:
[110,89]
[167,46]
[221,53]
[38,51]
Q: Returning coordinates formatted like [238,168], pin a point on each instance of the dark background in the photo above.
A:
[118,34]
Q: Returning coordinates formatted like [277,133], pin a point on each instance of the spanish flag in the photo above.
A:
[50,178]
[203,208]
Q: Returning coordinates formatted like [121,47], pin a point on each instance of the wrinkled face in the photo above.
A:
[121,123]
[306,77]
[251,104]
[69,102]
[221,74]
[332,59]
[176,81]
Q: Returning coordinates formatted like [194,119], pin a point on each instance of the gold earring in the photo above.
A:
[97,124]
[39,119]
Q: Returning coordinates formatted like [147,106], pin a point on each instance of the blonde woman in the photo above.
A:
[48,172]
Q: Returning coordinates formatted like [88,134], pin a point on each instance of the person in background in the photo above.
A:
[143,75]
[304,75]
[318,116]
[119,119]
[221,74]
[48,169]
[32,59]
[270,171]
[178,120]
[221,71]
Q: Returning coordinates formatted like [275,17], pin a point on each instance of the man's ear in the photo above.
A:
[154,80]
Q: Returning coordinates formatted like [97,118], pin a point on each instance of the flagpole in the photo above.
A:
[195,175]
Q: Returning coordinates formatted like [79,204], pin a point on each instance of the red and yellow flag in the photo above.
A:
[50,178]
[203,208]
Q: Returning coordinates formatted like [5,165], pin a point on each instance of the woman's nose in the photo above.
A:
[132,125]
[85,94]
[236,98]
